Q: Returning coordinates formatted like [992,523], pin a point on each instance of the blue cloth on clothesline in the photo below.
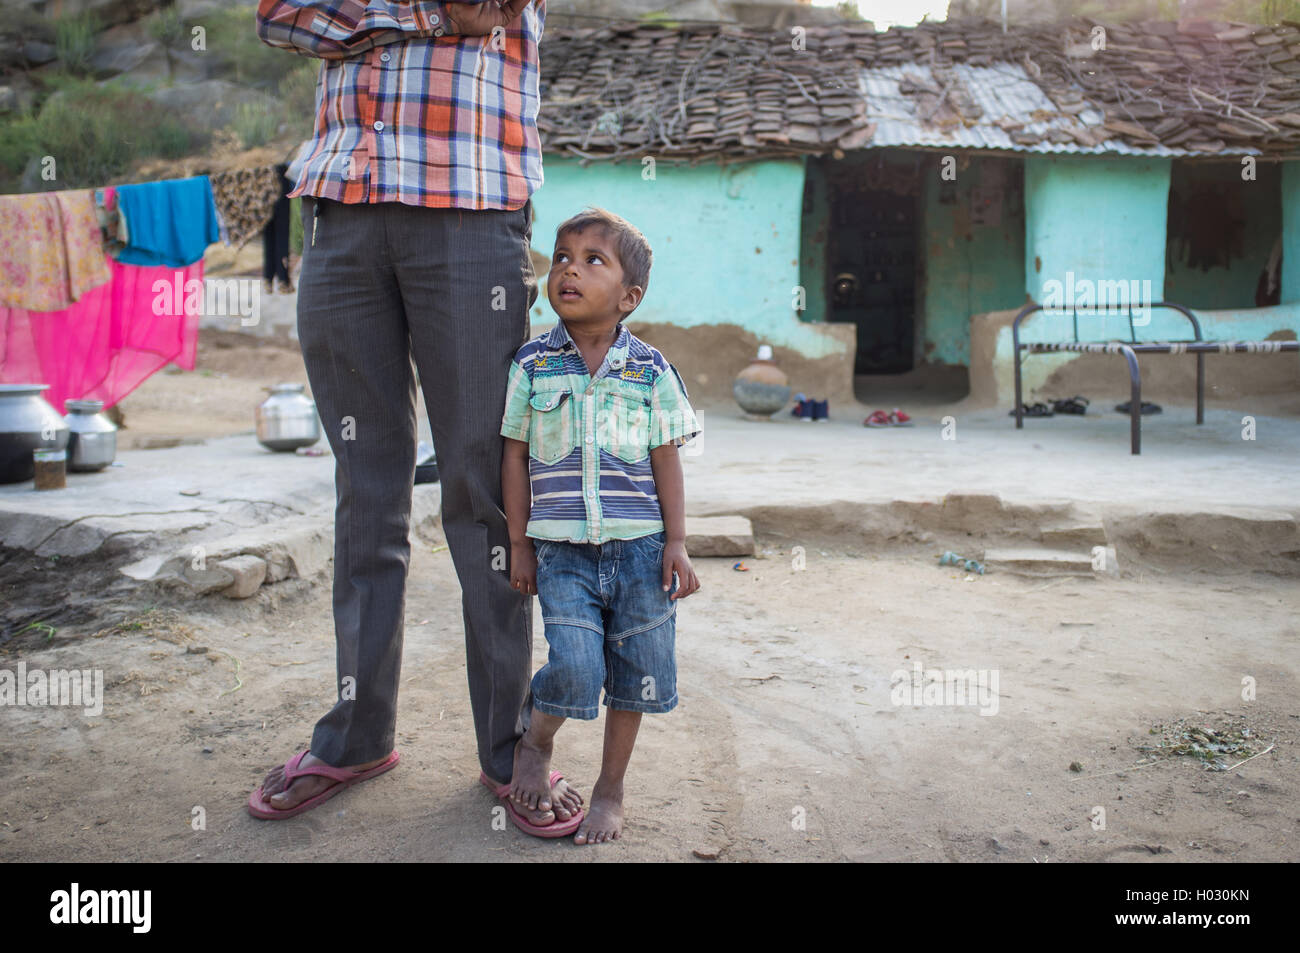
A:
[168,223]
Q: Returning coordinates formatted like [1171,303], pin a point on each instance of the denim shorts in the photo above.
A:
[609,623]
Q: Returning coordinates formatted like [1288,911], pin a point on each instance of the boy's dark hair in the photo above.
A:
[634,254]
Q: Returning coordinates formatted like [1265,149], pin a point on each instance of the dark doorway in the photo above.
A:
[871,270]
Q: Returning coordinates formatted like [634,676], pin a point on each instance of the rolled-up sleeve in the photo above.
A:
[338,29]
[672,418]
[517,418]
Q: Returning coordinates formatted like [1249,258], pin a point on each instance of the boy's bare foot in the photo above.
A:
[605,816]
[530,782]
[283,797]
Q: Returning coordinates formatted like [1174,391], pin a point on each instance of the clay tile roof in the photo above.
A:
[714,90]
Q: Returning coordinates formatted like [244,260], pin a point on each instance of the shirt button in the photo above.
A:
[438,32]
[379,125]
[590,438]
[591,492]
[385,57]
[433,18]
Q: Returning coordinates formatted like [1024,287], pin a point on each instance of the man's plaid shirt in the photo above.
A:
[407,111]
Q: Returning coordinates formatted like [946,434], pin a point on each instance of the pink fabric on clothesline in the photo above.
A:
[107,343]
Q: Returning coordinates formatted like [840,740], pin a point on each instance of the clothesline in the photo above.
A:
[79,269]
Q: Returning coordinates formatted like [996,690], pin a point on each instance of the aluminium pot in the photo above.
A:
[27,423]
[287,419]
[92,439]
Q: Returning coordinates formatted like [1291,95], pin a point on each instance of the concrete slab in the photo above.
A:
[1195,493]
[182,514]
[1199,495]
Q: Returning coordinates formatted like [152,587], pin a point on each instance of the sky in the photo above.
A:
[886,13]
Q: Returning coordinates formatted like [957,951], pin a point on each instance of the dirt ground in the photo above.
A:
[786,744]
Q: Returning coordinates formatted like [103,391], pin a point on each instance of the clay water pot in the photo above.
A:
[762,388]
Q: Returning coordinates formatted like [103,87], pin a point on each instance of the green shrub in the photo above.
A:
[255,124]
[169,28]
[297,96]
[295,225]
[74,42]
[95,133]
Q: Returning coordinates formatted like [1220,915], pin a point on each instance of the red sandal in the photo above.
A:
[878,418]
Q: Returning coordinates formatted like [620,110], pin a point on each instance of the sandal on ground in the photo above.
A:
[1147,408]
[878,418]
[1071,405]
[556,828]
[1033,410]
[260,806]
[899,419]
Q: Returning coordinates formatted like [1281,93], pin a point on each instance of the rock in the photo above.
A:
[1075,766]
[248,572]
[212,101]
[110,60]
[8,99]
[719,536]
[196,650]
[38,53]
[110,13]
[706,854]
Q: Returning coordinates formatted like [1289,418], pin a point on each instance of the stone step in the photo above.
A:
[1041,561]
[1081,536]
[719,536]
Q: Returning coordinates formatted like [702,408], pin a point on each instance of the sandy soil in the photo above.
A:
[786,745]
[786,719]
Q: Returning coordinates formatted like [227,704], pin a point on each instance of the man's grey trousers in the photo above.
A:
[381,284]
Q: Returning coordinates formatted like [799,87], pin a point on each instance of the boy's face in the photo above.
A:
[585,285]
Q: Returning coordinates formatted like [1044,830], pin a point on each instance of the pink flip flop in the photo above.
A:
[554,829]
[260,807]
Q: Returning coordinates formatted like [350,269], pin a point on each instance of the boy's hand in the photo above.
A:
[480,19]
[676,560]
[523,567]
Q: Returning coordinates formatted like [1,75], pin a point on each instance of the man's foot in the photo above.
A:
[565,800]
[305,786]
[530,785]
[605,816]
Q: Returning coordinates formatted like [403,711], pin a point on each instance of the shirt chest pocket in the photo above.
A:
[625,426]
[551,428]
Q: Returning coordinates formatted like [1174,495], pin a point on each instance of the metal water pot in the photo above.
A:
[27,423]
[287,419]
[92,441]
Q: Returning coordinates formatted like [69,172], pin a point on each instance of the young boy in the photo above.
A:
[590,476]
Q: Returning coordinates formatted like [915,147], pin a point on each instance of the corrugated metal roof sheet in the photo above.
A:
[1002,91]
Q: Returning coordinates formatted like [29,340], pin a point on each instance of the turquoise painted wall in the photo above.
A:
[1219,212]
[968,268]
[1291,231]
[1099,220]
[726,241]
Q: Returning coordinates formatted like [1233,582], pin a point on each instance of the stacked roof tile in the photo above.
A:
[712,90]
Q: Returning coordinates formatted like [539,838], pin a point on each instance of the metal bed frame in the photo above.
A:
[1130,350]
